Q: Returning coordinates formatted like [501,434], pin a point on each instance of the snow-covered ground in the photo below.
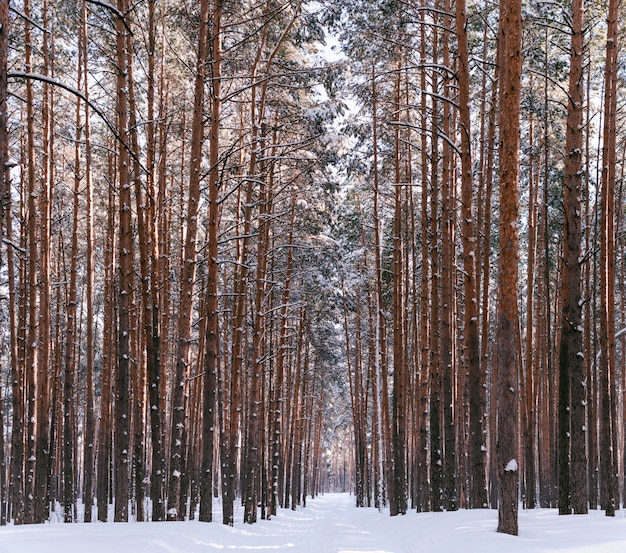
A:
[330,524]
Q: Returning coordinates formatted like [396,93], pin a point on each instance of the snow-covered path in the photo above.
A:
[330,524]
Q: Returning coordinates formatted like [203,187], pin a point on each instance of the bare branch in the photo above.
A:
[113,9]
[30,20]
[108,6]
[79,94]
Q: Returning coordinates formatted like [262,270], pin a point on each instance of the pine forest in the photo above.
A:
[257,250]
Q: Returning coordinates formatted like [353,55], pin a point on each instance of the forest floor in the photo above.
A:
[331,524]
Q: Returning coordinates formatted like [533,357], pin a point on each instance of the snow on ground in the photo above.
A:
[331,524]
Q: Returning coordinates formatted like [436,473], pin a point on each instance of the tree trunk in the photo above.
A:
[486,351]
[573,492]
[276,413]
[255,421]
[70,348]
[478,443]
[41,500]
[90,423]
[126,280]
[436,377]
[528,403]
[188,270]
[212,303]
[108,359]
[381,331]
[5,179]
[141,320]
[590,364]
[448,280]
[422,496]
[398,503]
[510,38]
[608,422]
[32,336]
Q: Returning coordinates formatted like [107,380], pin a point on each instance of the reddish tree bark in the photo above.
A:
[510,39]
[4,188]
[122,455]
[478,438]
[572,383]
[608,419]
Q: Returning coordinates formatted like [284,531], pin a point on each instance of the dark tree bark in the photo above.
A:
[4,130]
[448,281]
[188,270]
[277,429]
[608,419]
[590,364]
[31,277]
[40,484]
[478,438]
[357,402]
[422,495]
[17,393]
[256,420]
[380,346]
[126,280]
[573,494]
[149,247]
[435,346]
[70,349]
[398,504]
[485,319]
[90,423]
[140,320]
[108,361]
[212,323]
[4,193]
[529,402]
[510,39]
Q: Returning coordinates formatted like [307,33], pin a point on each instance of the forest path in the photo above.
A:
[331,524]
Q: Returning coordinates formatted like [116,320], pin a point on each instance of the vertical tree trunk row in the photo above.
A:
[209,293]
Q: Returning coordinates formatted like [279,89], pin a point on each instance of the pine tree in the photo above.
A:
[572,385]
[510,62]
